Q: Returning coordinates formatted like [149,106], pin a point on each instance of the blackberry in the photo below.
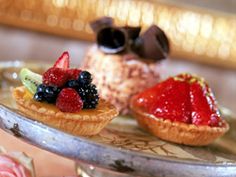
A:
[85,78]
[89,95]
[50,93]
[72,84]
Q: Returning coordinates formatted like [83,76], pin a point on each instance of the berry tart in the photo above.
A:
[125,62]
[64,98]
[181,109]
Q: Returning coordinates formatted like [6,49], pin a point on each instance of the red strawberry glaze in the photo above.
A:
[203,107]
[174,102]
[147,97]
[184,98]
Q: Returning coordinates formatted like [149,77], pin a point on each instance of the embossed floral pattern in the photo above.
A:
[124,133]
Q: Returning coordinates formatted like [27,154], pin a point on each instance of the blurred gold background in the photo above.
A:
[196,33]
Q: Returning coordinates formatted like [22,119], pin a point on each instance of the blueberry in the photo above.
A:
[51,90]
[41,88]
[46,93]
[85,78]
[72,84]
[50,93]
[38,96]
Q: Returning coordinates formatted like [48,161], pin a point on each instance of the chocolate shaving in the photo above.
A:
[101,23]
[112,40]
[133,32]
[163,40]
[137,45]
[153,44]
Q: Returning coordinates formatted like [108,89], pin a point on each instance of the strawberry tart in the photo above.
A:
[181,109]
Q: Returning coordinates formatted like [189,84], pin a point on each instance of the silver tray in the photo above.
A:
[122,147]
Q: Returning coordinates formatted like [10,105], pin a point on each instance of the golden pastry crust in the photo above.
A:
[178,132]
[86,122]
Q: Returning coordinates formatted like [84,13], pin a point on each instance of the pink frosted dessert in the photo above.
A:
[15,164]
[124,63]
[118,77]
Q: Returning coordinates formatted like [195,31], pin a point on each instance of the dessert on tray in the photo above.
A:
[15,164]
[64,98]
[181,109]
[124,61]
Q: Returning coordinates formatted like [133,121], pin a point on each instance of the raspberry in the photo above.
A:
[69,100]
[73,73]
[55,76]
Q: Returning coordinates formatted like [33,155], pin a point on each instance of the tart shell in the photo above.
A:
[177,132]
[85,122]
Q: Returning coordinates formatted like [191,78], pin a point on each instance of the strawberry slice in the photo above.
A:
[173,101]
[147,97]
[168,100]
[63,61]
[203,105]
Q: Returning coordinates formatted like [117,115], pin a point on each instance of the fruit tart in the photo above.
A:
[64,98]
[125,61]
[181,109]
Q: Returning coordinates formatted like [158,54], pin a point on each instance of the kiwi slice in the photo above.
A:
[30,79]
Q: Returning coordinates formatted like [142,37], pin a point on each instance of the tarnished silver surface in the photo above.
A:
[117,159]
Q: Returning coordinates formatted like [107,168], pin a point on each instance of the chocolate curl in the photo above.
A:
[101,23]
[112,40]
[133,32]
[152,44]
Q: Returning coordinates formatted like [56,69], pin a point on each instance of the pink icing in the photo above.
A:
[9,167]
